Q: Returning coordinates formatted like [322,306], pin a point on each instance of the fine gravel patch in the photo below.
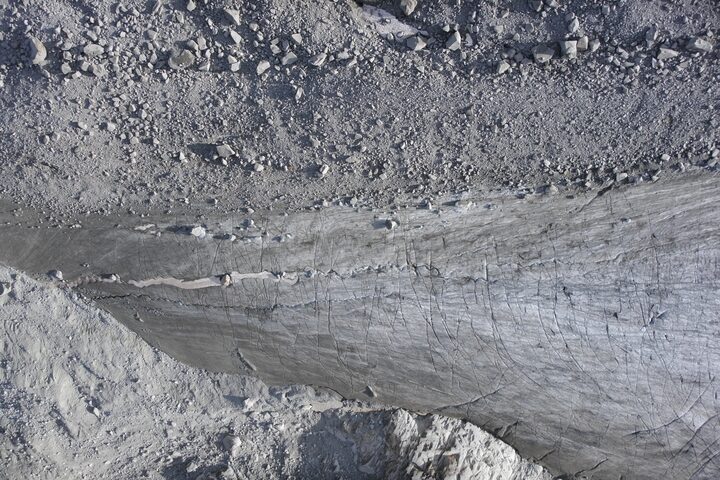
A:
[83,397]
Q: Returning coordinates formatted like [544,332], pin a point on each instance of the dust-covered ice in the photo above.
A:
[83,397]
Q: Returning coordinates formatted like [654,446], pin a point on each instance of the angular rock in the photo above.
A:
[38,53]
[318,60]
[415,43]
[502,67]
[583,43]
[233,15]
[574,25]
[225,150]
[667,53]
[454,42]
[288,59]
[408,6]
[569,48]
[697,44]
[263,67]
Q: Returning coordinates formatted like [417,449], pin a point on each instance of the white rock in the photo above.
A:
[235,36]
[92,50]
[697,44]
[667,53]
[318,60]
[569,48]
[225,150]
[289,59]
[198,232]
[262,67]
[38,53]
[408,6]
[582,43]
[233,15]
[502,67]
[454,42]
[574,25]
[191,5]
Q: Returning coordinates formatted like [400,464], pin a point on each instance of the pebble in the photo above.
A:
[262,67]
[182,60]
[198,232]
[667,53]
[233,14]
[235,36]
[225,150]
[38,52]
[697,44]
[415,43]
[317,60]
[454,42]
[297,38]
[408,6]
[542,53]
[5,288]
[191,5]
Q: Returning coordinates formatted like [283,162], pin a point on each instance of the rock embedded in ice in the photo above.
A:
[182,60]
[542,53]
